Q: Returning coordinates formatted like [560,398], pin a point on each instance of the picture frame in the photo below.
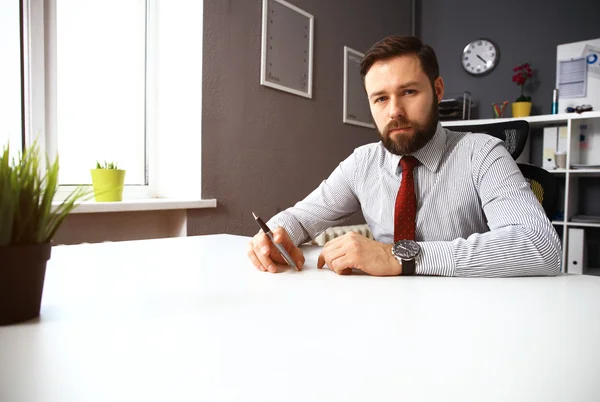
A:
[287,48]
[356,108]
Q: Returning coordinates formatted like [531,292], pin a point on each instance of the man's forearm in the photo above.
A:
[505,252]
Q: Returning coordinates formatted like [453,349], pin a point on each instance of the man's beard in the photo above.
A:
[408,144]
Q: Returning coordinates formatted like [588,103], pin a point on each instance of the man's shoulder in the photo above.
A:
[369,151]
[470,138]
[370,147]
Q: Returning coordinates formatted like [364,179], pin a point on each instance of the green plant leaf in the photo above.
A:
[7,199]
[26,195]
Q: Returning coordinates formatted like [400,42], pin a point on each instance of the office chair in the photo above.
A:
[544,186]
[514,133]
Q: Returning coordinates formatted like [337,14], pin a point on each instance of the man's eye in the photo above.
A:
[409,92]
[380,99]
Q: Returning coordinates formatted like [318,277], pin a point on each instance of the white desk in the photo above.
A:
[189,319]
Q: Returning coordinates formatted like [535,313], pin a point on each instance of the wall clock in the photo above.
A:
[480,57]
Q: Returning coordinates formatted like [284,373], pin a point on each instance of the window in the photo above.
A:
[10,76]
[94,71]
[100,87]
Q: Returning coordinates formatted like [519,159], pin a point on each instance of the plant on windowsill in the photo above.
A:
[108,182]
[28,223]
[522,106]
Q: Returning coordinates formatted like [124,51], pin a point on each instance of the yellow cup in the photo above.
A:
[108,184]
[521,109]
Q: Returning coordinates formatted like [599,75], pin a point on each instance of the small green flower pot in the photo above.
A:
[108,184]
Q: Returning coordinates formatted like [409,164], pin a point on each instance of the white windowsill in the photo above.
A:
[150,204]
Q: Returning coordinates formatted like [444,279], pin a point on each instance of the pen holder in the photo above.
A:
[498,109]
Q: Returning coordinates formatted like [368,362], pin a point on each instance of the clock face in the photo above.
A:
[480,57]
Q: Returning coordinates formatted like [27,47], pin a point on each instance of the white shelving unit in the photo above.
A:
[569,176]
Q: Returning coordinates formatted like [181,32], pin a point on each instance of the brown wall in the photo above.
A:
[264,149]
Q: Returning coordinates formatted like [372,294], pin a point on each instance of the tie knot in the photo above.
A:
[408,162]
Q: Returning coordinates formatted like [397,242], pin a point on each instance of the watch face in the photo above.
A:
[480,57]
[406,249]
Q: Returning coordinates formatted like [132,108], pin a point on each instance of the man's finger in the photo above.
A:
[254,259]
[332,253]
[282,237]
[262,243]
[332,245]
[264,258]
[340,265]
[298,257]
[320,261]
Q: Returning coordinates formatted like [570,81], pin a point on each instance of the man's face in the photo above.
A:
[403,103]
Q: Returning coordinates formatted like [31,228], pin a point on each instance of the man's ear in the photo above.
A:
[439,88]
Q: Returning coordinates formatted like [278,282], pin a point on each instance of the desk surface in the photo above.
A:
[189,319]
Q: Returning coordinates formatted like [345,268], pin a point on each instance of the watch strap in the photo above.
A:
[408,267]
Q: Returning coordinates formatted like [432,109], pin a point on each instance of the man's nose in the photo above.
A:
[396,109]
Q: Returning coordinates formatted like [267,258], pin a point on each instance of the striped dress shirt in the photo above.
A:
[476,214]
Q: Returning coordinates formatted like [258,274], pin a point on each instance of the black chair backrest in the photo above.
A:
[544,186]
[514,133]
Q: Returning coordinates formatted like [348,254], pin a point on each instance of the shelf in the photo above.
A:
[577,224]
[583,224]
[582,172]
[579,172]
[586,172]
[534,121]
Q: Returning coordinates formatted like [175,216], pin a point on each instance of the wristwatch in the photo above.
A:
[407,251]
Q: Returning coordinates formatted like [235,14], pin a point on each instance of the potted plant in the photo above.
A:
[108,181]
[522,106]
[28,222]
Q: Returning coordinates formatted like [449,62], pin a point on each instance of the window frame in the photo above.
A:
[39,90]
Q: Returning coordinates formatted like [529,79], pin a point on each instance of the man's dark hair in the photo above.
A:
[393,46]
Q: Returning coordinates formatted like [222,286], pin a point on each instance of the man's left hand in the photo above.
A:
[353,250]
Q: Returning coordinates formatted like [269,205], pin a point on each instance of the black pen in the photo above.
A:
[281,249]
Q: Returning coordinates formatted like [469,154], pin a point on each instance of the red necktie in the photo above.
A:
[405,212]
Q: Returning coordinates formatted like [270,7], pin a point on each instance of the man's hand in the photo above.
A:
[263,253]
[356,251]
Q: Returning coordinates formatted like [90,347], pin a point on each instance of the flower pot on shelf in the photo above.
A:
[521,109]
[522,106]
[108,184]
[22,274]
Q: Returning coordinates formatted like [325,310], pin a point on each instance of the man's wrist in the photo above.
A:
[396,265]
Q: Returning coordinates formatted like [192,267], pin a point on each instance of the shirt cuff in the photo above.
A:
[436,258]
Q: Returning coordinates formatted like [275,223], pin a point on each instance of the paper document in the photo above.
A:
[592,55]
[572,78]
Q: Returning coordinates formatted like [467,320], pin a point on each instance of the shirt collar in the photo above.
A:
[430,155]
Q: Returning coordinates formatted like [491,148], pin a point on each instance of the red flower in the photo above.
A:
[522,74]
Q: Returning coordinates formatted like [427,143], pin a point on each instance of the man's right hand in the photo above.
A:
[264,254]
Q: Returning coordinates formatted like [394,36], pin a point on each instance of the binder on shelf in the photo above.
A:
[550,144]
[576,256]
[562,145]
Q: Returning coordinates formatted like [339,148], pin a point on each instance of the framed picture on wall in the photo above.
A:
[356,105]
[287,48]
